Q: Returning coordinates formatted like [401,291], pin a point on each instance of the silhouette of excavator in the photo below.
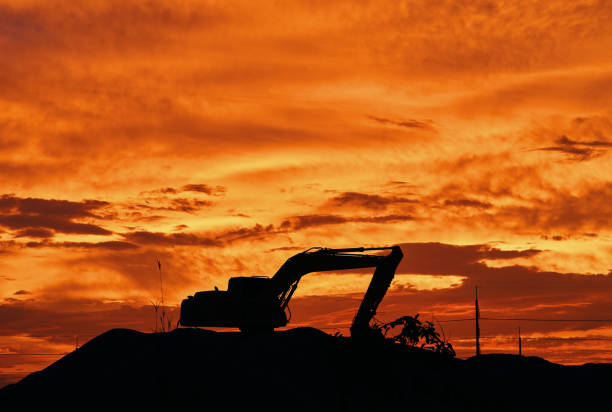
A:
[259,303]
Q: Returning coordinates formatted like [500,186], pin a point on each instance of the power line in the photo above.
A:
[33,354]
[526,320]
[455,320]
[550,320]
[55,336]
[523,338]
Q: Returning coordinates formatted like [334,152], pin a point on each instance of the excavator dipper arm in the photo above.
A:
[285,281]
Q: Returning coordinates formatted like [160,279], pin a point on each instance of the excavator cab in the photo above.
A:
[258,303]
[247,304]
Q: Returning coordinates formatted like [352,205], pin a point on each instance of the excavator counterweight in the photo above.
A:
[259,303]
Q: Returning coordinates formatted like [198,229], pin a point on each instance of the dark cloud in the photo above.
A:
[112,244]
[286,248]
[554,237]
[509,291]
[35,217]
[580,150]
[188,205]
[226,237]
[170,190]
[22,292]
[166,200]
[410,123]
[564,140]
[464,202]
[305,221]
[301,222]
[383,219]
[169,204]
[35,232]
[257,232]
[55,223]
[170,239]
[366,201]
[142,217]
[446,259]
[576,153]
[202,188]
[10,204]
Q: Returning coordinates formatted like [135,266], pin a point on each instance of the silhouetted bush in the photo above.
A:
[416,334]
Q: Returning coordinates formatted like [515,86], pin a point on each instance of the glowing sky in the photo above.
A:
[223,137]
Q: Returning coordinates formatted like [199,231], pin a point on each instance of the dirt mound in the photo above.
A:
[297,369]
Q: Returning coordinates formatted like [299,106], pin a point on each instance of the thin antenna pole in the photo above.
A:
[161,287]
[161,283]
[520,346]
[477,324]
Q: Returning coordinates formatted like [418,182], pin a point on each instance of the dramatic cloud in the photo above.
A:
[222,138]
[579,150]
[366,201]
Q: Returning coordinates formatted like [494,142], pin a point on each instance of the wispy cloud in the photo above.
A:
[409,123]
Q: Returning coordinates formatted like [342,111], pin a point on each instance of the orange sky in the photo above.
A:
[224,137]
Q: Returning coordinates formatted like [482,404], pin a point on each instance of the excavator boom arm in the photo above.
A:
[284,282]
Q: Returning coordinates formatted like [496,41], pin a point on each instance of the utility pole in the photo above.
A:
[520,347]
[477,325]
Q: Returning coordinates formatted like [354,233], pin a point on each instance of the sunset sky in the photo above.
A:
[223,137]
